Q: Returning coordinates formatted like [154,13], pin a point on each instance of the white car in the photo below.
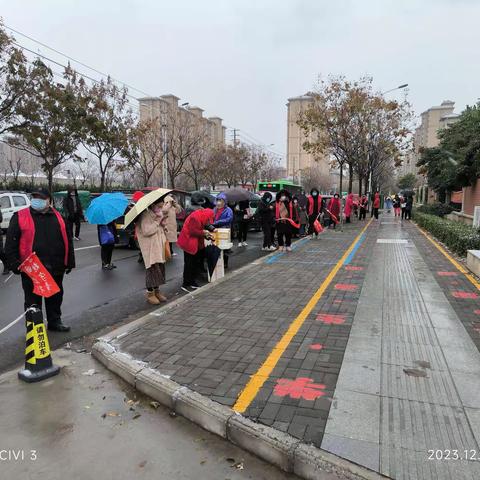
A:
[11,202]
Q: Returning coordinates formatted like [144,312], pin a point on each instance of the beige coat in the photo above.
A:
[151,238]
[171,213]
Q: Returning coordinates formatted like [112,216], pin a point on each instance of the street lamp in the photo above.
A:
[400,87]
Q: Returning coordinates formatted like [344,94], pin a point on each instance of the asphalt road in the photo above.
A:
[94,298]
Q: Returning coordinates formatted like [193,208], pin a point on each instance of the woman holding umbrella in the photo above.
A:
[152,239]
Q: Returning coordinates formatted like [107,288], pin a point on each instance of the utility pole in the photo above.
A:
[164,159]
[235,130]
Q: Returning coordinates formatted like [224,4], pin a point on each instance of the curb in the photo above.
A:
[278,448]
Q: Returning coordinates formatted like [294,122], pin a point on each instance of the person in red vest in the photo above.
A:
[376,204]
[41,229]
[314,208]
[191,241]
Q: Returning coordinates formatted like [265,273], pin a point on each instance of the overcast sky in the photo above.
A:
[241,59]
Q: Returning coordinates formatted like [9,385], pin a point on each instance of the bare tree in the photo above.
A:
[146,149]
[313,177]
[184,142]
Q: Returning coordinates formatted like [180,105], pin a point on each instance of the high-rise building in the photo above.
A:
[165,106]
[426,136]
[298,160]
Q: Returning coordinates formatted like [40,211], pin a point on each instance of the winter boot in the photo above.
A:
[152,298]
[160,297]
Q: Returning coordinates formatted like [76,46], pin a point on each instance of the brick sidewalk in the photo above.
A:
[329,385]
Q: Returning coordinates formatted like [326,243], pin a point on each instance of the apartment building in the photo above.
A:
[167,107]
[298,160]
[426,136]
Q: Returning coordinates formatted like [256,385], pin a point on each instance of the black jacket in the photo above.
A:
[47,243]
[266,213]
[69,208]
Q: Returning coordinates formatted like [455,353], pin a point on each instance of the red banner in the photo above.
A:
[43,283]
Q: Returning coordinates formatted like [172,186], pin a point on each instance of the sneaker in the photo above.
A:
[6,272]
[281,249]
[194,285]
[240,244]
[77,239]
[187,288]
[289,249]
[265,249]
[245,244]
[272,248]
[112,266]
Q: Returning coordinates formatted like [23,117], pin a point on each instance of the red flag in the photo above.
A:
[43,283]
[332,216]
[317,226]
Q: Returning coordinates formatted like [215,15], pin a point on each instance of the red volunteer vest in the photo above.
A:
[27,229]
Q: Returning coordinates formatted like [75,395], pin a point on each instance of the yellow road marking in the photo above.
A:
[457,265]
[257,380]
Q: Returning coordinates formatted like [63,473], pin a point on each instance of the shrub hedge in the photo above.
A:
[438,209]
[455,235]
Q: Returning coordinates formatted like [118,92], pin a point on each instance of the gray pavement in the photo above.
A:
[91,427]
[95,298]
[407,393]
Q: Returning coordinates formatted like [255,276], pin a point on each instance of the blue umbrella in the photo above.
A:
[106,208]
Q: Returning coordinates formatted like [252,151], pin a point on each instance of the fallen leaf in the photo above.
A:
[415,372]
[238,466]
[203,462]
[89,372]
[113,414]
[230,460]
[104,397]
[142,464]
[136,416]
[172,414]
[154,404]
[104,415]
[81,350]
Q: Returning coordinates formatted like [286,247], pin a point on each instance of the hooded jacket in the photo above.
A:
[222,217]
[191,238]
[376,201]
[265,211]
[348,205]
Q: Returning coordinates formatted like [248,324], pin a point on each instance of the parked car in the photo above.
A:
[11,202]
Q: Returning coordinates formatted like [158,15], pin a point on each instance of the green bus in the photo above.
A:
[276,185]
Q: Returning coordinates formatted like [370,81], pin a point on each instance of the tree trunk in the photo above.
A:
[341,181]
[350,178]
[50,181]
[360,180]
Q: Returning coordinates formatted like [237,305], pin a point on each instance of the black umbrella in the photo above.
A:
[238,194]
[212,252]
[202,198]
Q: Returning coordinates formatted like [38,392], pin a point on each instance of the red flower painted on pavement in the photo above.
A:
[316,346]
[346,286]
[461,294]
[476,312]
[447,274]
[300,388]
[331,318]
[353,267]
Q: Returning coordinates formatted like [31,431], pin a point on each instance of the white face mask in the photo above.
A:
[283,198]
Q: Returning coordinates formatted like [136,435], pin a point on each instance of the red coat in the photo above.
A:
[334,206]
[348,205]
[191,238]
[376,201]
